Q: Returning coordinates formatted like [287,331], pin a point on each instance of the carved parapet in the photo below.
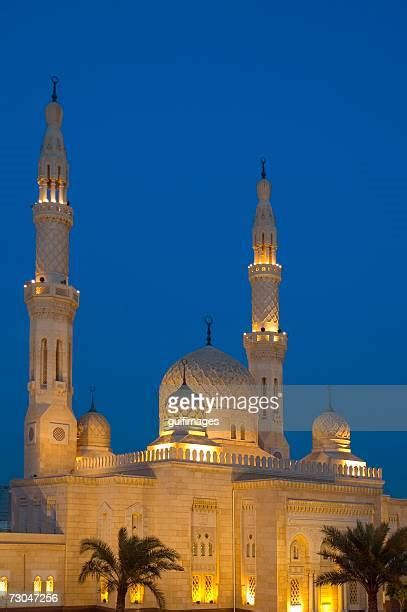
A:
[52,211]
[51,300]
[266,344]
[270,271]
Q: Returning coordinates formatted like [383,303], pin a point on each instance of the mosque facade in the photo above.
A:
[245,518]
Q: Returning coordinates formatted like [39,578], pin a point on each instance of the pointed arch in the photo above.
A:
[44,362]
[58,361]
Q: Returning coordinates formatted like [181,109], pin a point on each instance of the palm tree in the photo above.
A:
[365,554]
[399,593]
[139,562]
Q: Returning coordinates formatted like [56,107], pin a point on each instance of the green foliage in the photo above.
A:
[140,561]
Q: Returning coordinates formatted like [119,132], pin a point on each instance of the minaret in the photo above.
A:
[266,345]
[50,425]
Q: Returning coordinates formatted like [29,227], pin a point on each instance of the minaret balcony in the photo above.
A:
[33,289]
[53,211]
[263,270]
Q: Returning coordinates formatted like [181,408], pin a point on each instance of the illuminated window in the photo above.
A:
[58,361]
[104,593]
[196,588]
[251,590]
[49,585]
[194,549]
[233,432]
[37,585]
[202,549]
[3,586]
[295,592]
[209,596]
[44,361]
[242,432]
[136,594]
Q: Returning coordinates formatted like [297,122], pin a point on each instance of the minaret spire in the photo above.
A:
[54,81]
[50,425]
[266,345]
[263,168]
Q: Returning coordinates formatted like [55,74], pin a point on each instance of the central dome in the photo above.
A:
[210,372]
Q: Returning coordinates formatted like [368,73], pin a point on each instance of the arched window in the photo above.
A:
[247,549]
[275,387]
[104,593]
[69,364]
[44,362]
[202,549]
[295,551]
[242,432]
[194,549]
[136,593]
[58,361]
[253,549]
[233,432]
[37,584]
[3,586]
[49,585]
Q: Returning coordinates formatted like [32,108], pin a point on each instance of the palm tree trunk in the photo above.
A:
[372,601]
[121,600]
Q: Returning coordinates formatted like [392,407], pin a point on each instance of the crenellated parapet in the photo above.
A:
[268,465]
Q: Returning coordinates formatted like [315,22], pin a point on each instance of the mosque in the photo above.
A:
[223,491]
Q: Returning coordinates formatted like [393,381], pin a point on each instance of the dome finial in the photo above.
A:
[208,321]
[263,167]
[92,400]
[54,81]
[330,408]
[184,364]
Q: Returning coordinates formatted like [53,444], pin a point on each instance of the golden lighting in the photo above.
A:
[104,593]
[296,608]
[136,594]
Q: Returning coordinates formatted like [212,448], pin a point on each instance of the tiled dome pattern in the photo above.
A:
[93,430]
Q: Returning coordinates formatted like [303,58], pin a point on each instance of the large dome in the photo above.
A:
[210,372]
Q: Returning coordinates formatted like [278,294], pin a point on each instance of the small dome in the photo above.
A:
[330,425]
[93,431]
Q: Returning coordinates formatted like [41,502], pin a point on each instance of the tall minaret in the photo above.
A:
[50,425]
[266,345]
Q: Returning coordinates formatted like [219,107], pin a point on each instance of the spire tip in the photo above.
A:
[54,81]
[208,321]
[263,168]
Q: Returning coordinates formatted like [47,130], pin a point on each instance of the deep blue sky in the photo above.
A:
[168,108]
